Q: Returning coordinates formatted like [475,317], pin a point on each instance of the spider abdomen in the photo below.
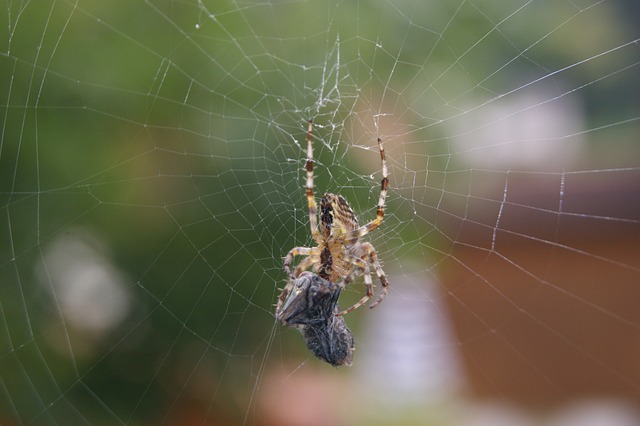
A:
[336,216]
[337,222]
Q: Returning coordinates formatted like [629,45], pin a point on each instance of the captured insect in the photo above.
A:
[339,257]
[312,307]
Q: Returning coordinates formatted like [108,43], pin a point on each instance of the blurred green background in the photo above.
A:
[151,174]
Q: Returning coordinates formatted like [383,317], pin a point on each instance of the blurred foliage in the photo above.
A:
[171,131]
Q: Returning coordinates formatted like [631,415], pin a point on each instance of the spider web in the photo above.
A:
[152,178]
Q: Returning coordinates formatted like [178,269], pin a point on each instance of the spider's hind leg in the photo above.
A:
[311,199]
[384,187]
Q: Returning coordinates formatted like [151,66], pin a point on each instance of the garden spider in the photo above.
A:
[339,256]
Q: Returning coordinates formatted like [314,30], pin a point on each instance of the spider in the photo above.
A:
[340,256]
[312,308]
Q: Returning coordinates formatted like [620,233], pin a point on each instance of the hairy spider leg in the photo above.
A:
[361,268]
[384,187]
[368,248]
[369,252]
[305,264]
[311,199]
[382,277]
[298,251]
[311,253]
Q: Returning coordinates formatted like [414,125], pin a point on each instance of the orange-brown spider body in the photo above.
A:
[339,256]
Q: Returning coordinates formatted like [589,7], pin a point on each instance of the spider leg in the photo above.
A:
[311,200]
[297,251]
[311,254]
[361,267]
[305,264]
[373,259]
[384,186]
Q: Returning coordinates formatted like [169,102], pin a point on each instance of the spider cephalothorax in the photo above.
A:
[339,256]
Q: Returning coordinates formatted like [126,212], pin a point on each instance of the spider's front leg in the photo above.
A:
[382,277]
[361,267]
[288,259]
[297,251]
